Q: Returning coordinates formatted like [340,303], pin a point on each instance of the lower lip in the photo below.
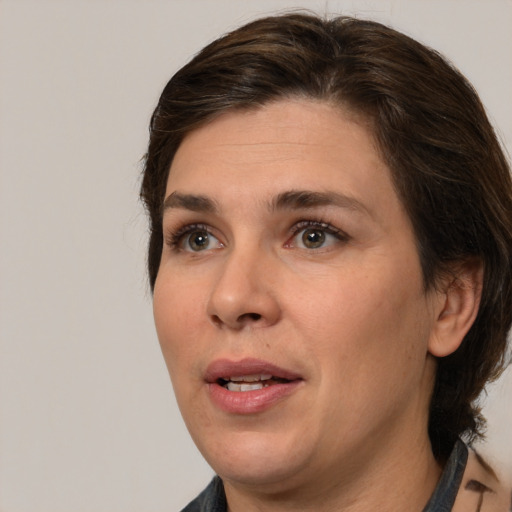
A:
[251,402]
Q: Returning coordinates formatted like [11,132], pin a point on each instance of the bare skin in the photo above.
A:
[287,244]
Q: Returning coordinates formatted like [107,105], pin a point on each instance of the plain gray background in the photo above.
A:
[87,418]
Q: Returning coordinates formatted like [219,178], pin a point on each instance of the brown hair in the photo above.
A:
[432,130]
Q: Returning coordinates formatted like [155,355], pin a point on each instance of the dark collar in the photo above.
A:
[213,499]
[446,491]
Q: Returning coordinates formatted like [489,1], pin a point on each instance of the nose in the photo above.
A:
[243,295]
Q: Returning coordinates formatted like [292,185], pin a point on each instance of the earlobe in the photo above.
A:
[457,308]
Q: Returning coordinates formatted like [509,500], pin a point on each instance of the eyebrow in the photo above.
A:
[289,200]
[195,203]
[305,199]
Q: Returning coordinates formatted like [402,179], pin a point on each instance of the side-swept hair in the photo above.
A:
[432,131]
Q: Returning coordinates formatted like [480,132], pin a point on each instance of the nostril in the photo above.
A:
[249,316]
[241,320]
[216,320]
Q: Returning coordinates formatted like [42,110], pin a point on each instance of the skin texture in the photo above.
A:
[351,316]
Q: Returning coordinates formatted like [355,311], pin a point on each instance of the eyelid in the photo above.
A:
[174,237]
[325,226]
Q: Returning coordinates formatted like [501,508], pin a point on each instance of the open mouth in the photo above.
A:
[249,386]
[250,382]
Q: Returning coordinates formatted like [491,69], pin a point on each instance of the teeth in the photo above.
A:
[233,386]
[248,382]
[250,378]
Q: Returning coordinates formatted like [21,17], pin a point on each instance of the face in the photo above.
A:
[289,302]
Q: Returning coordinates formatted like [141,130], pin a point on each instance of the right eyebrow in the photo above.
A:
[195,203]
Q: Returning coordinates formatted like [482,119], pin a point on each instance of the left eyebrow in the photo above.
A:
[305,199]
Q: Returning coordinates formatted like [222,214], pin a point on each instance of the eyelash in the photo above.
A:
[175,239]
[319,224]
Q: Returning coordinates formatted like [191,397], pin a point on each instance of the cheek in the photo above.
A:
[364,323]
[175,310]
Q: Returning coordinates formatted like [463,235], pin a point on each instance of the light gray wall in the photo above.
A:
[87,418]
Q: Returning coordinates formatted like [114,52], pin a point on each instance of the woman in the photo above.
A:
[330,256]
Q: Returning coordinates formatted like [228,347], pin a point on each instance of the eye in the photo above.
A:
[316,235]
[313,238]
[194,238]
[199,240]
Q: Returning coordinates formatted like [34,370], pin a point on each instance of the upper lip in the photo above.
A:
[225,368]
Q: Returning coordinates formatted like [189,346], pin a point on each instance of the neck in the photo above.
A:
[396,482]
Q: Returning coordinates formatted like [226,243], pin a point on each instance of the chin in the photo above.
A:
[256,459]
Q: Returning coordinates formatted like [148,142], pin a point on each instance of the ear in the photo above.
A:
[457,307]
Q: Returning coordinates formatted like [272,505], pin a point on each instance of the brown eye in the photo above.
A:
[193,238]
[313,235]
[313,238]
[198,241]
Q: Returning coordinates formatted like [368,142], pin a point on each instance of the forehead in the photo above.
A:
[285,145]
[301,128]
